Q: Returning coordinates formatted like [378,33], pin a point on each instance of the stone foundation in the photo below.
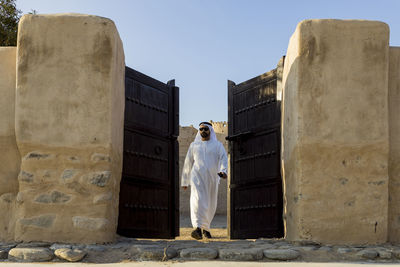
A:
[69,128]
[335,132]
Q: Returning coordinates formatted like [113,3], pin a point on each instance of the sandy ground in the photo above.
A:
[219,232]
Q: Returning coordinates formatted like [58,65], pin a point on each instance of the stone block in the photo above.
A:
[394,140]
[30,254]
[69,125]
[53,197]
[91,224]
[71,255]
[335,132]
[281,254]
[42,221]
[249,254]
[199,253]
[151,253]
[367,254]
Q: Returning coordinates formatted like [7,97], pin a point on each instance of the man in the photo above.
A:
[205,163]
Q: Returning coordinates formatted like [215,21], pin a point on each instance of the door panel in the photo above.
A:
[256,203]
[149,195]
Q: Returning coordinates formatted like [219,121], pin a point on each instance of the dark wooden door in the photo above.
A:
[254,119]
[149,194]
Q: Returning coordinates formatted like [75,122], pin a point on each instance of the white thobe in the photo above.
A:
[204,160]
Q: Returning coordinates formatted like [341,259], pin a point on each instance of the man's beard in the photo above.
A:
[204,134]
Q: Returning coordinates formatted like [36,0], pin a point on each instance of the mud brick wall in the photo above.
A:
[69,128]
[9,156]
[335,132]
[394,141]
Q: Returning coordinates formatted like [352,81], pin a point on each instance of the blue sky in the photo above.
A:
[203,43]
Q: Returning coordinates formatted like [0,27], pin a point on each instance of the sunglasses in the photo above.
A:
[203,129]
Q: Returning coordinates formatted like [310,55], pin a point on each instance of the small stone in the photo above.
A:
[43,221]
[72,255]
[367,254]
[7,197]
[3,254]
[25,177]
[103,198]
[307,248]
[396,253]
[155,253]
[249,254]
[385,254]
[281,254]
[20,197]
[53,197]
[87,223]
[58,246]
[199,253]
[97,157]
[30,254]
[344,250]
[68,174]
[325,248]
[100,178]
[78,188]
[37,155]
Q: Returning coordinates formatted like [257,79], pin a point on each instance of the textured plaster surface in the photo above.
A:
[69,128]
[9,155]
[335,132]
[394,139]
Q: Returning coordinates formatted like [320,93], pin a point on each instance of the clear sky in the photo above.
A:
[203,43]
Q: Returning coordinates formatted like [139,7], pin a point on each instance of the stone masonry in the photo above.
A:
[69,106]
[335,132]
[262,250]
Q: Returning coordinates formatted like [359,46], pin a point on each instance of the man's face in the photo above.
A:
[204,131]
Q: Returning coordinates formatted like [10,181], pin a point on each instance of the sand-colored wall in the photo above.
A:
[335,132]
[394,140]
[186,137]
[9,155]
[69,128]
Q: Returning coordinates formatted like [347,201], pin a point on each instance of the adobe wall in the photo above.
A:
[335,132]
[69,128]
[186,137]
[394,140]
[9,155]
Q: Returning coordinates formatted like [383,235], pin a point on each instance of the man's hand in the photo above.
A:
[184,187]
[222,175]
